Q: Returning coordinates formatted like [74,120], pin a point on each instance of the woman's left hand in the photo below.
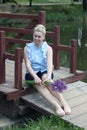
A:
[47,80]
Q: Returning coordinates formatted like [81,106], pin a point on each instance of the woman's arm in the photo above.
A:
[29,67]
[49,62]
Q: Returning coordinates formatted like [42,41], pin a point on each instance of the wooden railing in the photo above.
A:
[7,42]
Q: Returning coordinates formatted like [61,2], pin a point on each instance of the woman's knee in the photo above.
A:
[44,76]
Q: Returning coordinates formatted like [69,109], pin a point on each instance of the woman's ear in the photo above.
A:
[44,38]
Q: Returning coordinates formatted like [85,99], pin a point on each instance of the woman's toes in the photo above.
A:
[67,110]
[60,112]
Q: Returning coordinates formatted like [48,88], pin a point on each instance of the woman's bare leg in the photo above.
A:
[48,96]
[59,97]
[63,102]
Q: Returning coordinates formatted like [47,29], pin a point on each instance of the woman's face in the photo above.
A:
[38,37]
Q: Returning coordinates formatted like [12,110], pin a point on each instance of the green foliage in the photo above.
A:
[45,123]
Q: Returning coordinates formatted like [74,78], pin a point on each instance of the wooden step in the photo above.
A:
[10,92]
[7,90]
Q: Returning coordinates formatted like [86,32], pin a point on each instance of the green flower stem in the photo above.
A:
[47,83]
[32,82]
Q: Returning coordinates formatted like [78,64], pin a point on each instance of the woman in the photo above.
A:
[38,57]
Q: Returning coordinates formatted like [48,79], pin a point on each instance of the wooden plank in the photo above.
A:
[81,120]
[62,73]
[77,111]
[85,126]
[10,92]
[75,89]
[74,93]
[78,100]
[37,102]
[7,89]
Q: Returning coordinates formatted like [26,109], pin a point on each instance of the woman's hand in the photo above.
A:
[38,80]
[47,80]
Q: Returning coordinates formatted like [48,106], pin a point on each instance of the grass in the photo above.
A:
[44,123]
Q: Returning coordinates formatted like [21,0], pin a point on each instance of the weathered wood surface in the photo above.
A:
[76,96]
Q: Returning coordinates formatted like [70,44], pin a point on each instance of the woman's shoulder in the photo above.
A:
[29,44]
[46,46]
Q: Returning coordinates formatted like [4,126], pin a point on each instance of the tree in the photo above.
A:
[84,3]
[30,3]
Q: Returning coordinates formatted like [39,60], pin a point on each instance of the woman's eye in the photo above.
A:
[37,36]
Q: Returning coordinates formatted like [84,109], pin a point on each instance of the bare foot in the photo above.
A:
[60,112]
[67,109]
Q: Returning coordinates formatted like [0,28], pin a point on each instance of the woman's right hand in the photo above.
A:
[38,80]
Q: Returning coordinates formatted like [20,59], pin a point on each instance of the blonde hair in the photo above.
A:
[40,28]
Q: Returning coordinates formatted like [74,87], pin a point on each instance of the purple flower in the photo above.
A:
[59,86]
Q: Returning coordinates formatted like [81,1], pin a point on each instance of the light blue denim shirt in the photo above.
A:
[37,56]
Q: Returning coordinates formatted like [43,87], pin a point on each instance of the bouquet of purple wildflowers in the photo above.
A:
[57,85]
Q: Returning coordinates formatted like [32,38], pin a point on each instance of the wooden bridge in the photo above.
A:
[76,96]
[15,97]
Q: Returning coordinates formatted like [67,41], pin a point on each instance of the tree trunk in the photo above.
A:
[84,5]
[30,3]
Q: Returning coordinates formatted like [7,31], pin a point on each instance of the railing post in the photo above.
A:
[18,68]
[56,52]
[2,57]
[42,18]
[73,56]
